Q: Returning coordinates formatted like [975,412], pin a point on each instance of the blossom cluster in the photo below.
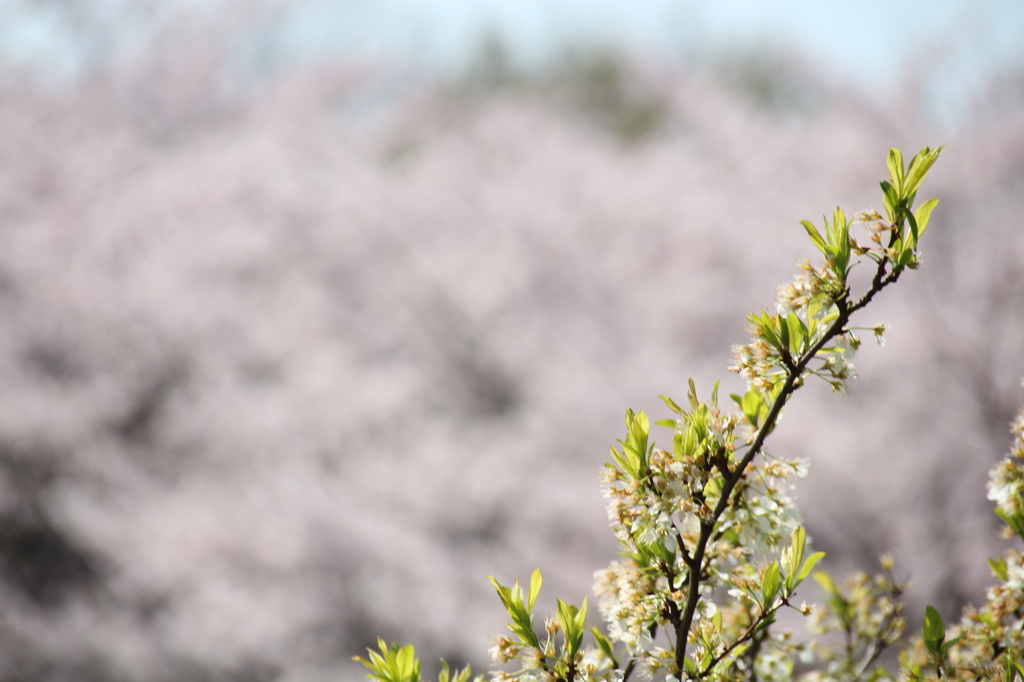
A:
[867,611]
[712,543]
[988,641]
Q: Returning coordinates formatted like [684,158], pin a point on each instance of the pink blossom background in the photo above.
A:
[280,375]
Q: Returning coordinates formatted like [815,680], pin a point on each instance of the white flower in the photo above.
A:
[848,344]
[879,332]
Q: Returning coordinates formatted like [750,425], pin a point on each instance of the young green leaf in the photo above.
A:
[751,405]
[535,583]
[604,644]
[522,620]
[808,566]
[825,581]
[445,675]
[765,324]
[890,200]
[895,164]
[793,556]
[770,583]
[815,236]
[919,167]
[998,567]
[1014,521]
[573,622]
[672,405]
[392,664]
[923,214]
[913,228]
[797,333]
[783,332]
[933,631]
[763,625]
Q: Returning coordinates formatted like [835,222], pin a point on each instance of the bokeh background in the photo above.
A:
[313,314]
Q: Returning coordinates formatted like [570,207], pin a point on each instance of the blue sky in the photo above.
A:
[868,41]
[871,44]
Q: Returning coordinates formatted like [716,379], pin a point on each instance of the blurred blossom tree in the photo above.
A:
[713,547]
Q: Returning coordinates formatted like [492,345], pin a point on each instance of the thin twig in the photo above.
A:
[794,370]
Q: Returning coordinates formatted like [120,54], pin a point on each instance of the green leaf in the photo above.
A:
[392,664]
[998,567]
[1014,521]
[770,583]
[923,213]
[445,675]
[522,621]
[933,631]
[813,233]
[797,333]
[1011,668]
[809,564]
[565,615]
[573,621]
[751,406]
[713,488]
[840,240]
[765,328]
[603,643]
[919,167]
[765,623]
[716,619]
[906,255]
[913,228]
[535,583]
[783,336]
[632,460]
[639,427]
[688,443]
[739,650]
[672,405]
[793,556]
[503,592]
[895,165]
[581,619]
[408,666]
[877,674]
[808,567]
[623,460]
[890,200]
[949,644]
[825,580]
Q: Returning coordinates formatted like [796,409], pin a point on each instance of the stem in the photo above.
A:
[692,595]
[749,634]
[794,370]
[629,669]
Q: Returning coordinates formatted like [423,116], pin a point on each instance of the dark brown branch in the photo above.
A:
[794,371]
